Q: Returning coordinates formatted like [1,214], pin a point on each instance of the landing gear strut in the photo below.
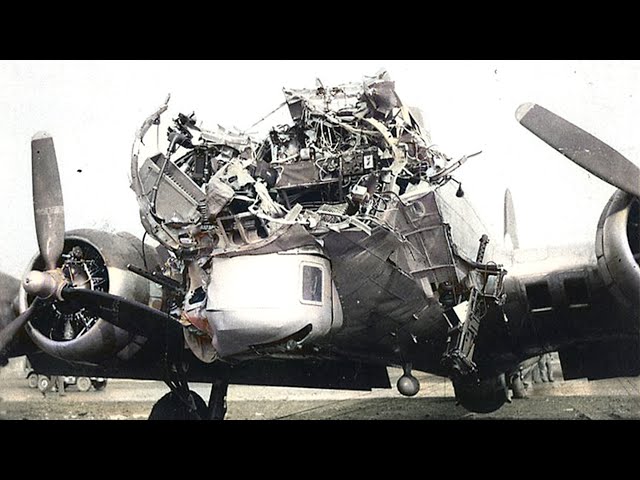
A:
[181,403]
[218,400]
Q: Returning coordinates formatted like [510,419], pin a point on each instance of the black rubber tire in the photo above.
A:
[169,407]
[484,397]
[99,384]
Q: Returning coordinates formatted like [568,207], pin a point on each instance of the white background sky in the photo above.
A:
[93,109]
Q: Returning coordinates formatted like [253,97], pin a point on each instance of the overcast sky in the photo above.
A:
[93,109]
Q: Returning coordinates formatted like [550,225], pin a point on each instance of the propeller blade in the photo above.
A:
[582,148]
[510,227]
[48,207]
[9,332]
[129,315]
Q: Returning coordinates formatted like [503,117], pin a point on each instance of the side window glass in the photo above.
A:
[311,284]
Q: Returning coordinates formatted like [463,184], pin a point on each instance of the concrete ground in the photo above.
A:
[133,400]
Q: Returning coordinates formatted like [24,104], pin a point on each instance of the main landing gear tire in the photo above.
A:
[485,396]
[99,384]
[170,407]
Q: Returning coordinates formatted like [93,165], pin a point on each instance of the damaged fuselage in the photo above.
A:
[332,235]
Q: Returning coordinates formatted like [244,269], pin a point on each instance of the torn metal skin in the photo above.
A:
[351,189]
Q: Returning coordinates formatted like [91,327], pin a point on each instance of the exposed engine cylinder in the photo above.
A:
[618,247]
[95,260]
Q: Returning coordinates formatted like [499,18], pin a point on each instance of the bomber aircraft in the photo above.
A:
[317,256]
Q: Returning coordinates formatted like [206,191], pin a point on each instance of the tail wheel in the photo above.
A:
[83,384]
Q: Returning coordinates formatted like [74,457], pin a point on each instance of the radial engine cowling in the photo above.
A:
[618,248]
[96,260]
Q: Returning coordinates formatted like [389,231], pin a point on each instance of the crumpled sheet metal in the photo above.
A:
[341,139]
[335,182]
[382,296]
[219,194]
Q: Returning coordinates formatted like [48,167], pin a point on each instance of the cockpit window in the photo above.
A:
[311,284]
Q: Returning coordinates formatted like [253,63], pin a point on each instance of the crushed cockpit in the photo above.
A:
[349,153]
[352,158]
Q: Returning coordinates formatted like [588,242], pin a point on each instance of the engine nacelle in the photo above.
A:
[96,260]
[618,247]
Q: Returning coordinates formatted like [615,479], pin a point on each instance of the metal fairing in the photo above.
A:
[258,299]
[386,311]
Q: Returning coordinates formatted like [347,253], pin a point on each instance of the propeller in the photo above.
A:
[580,147]
[129,315]
[10,331]
[48,211]
[48,207]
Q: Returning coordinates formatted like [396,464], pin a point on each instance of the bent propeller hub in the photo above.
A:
[44,284]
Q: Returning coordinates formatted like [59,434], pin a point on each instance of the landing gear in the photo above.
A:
[481,396]
[184,404]
[218,400]
[99,384]
[190,406]
[172,407]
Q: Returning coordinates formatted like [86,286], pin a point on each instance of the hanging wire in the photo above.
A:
[266,116]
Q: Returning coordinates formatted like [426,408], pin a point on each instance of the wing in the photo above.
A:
[583,302]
